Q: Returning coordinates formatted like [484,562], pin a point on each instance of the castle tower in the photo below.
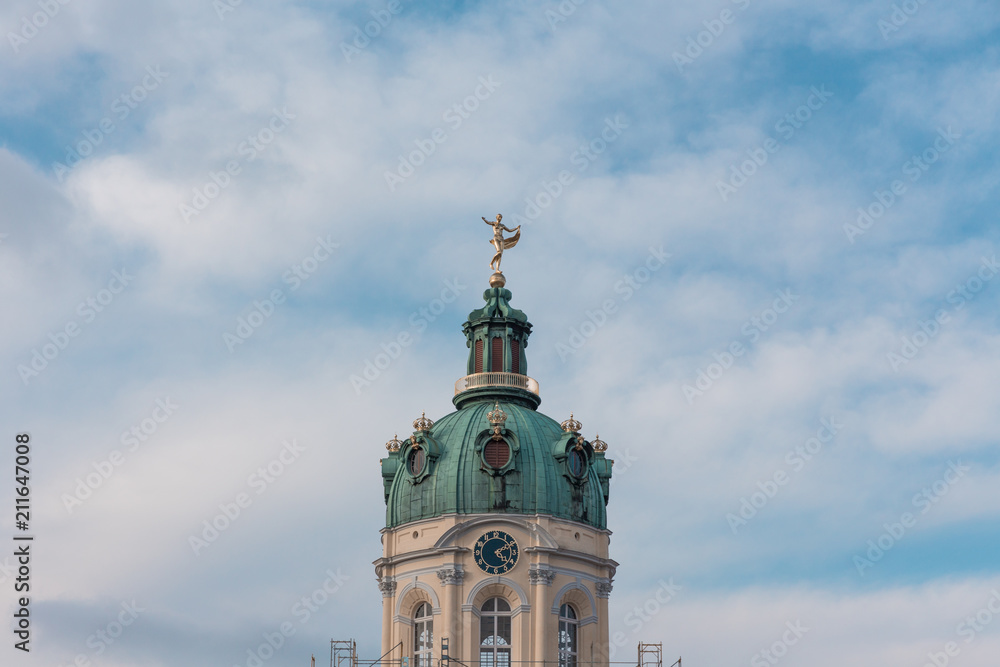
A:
[496,533]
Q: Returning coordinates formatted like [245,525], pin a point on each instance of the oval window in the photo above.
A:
[576,462]
[496,453]
[416,461]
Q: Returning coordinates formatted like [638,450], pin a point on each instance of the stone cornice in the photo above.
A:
[574,555]
[417,555]
[465,517]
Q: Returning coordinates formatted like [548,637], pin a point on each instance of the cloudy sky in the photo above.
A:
[758,250]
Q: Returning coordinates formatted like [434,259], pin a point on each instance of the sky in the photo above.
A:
[758,248]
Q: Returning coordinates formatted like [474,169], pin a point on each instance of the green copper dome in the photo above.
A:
[496,453]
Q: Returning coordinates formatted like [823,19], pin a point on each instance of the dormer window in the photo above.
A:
[415,461]
[577,461]
[496,454]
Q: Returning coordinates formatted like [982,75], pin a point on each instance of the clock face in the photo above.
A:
[496,552]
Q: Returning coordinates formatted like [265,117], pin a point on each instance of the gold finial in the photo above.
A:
[598,444]
[501,244]
[571,425]
[497,417]
[394,444]
[423,423]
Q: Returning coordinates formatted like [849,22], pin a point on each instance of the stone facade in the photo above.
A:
[560,562]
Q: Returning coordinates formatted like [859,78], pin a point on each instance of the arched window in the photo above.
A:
[423,636]
[577,463]
[494,634]
[416,461]
[569,625]
[496,355]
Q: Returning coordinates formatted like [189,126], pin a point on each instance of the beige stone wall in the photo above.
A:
[560,562]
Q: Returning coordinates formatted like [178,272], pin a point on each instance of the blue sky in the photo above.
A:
[225,150]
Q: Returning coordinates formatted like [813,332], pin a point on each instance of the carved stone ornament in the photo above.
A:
[451,576]
[541,577]
[604,588]
[388,586]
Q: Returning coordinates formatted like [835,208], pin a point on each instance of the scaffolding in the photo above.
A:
[650,655]
[344,653]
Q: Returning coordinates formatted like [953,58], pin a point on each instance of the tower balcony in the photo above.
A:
[496,380]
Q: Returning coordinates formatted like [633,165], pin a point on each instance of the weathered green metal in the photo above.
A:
[497,319]
[455,477]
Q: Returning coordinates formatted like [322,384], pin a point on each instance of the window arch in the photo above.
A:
[423,636]
[494,633]
[569,627]
[416,460]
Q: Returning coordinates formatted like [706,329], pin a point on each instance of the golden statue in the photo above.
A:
[501,243]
